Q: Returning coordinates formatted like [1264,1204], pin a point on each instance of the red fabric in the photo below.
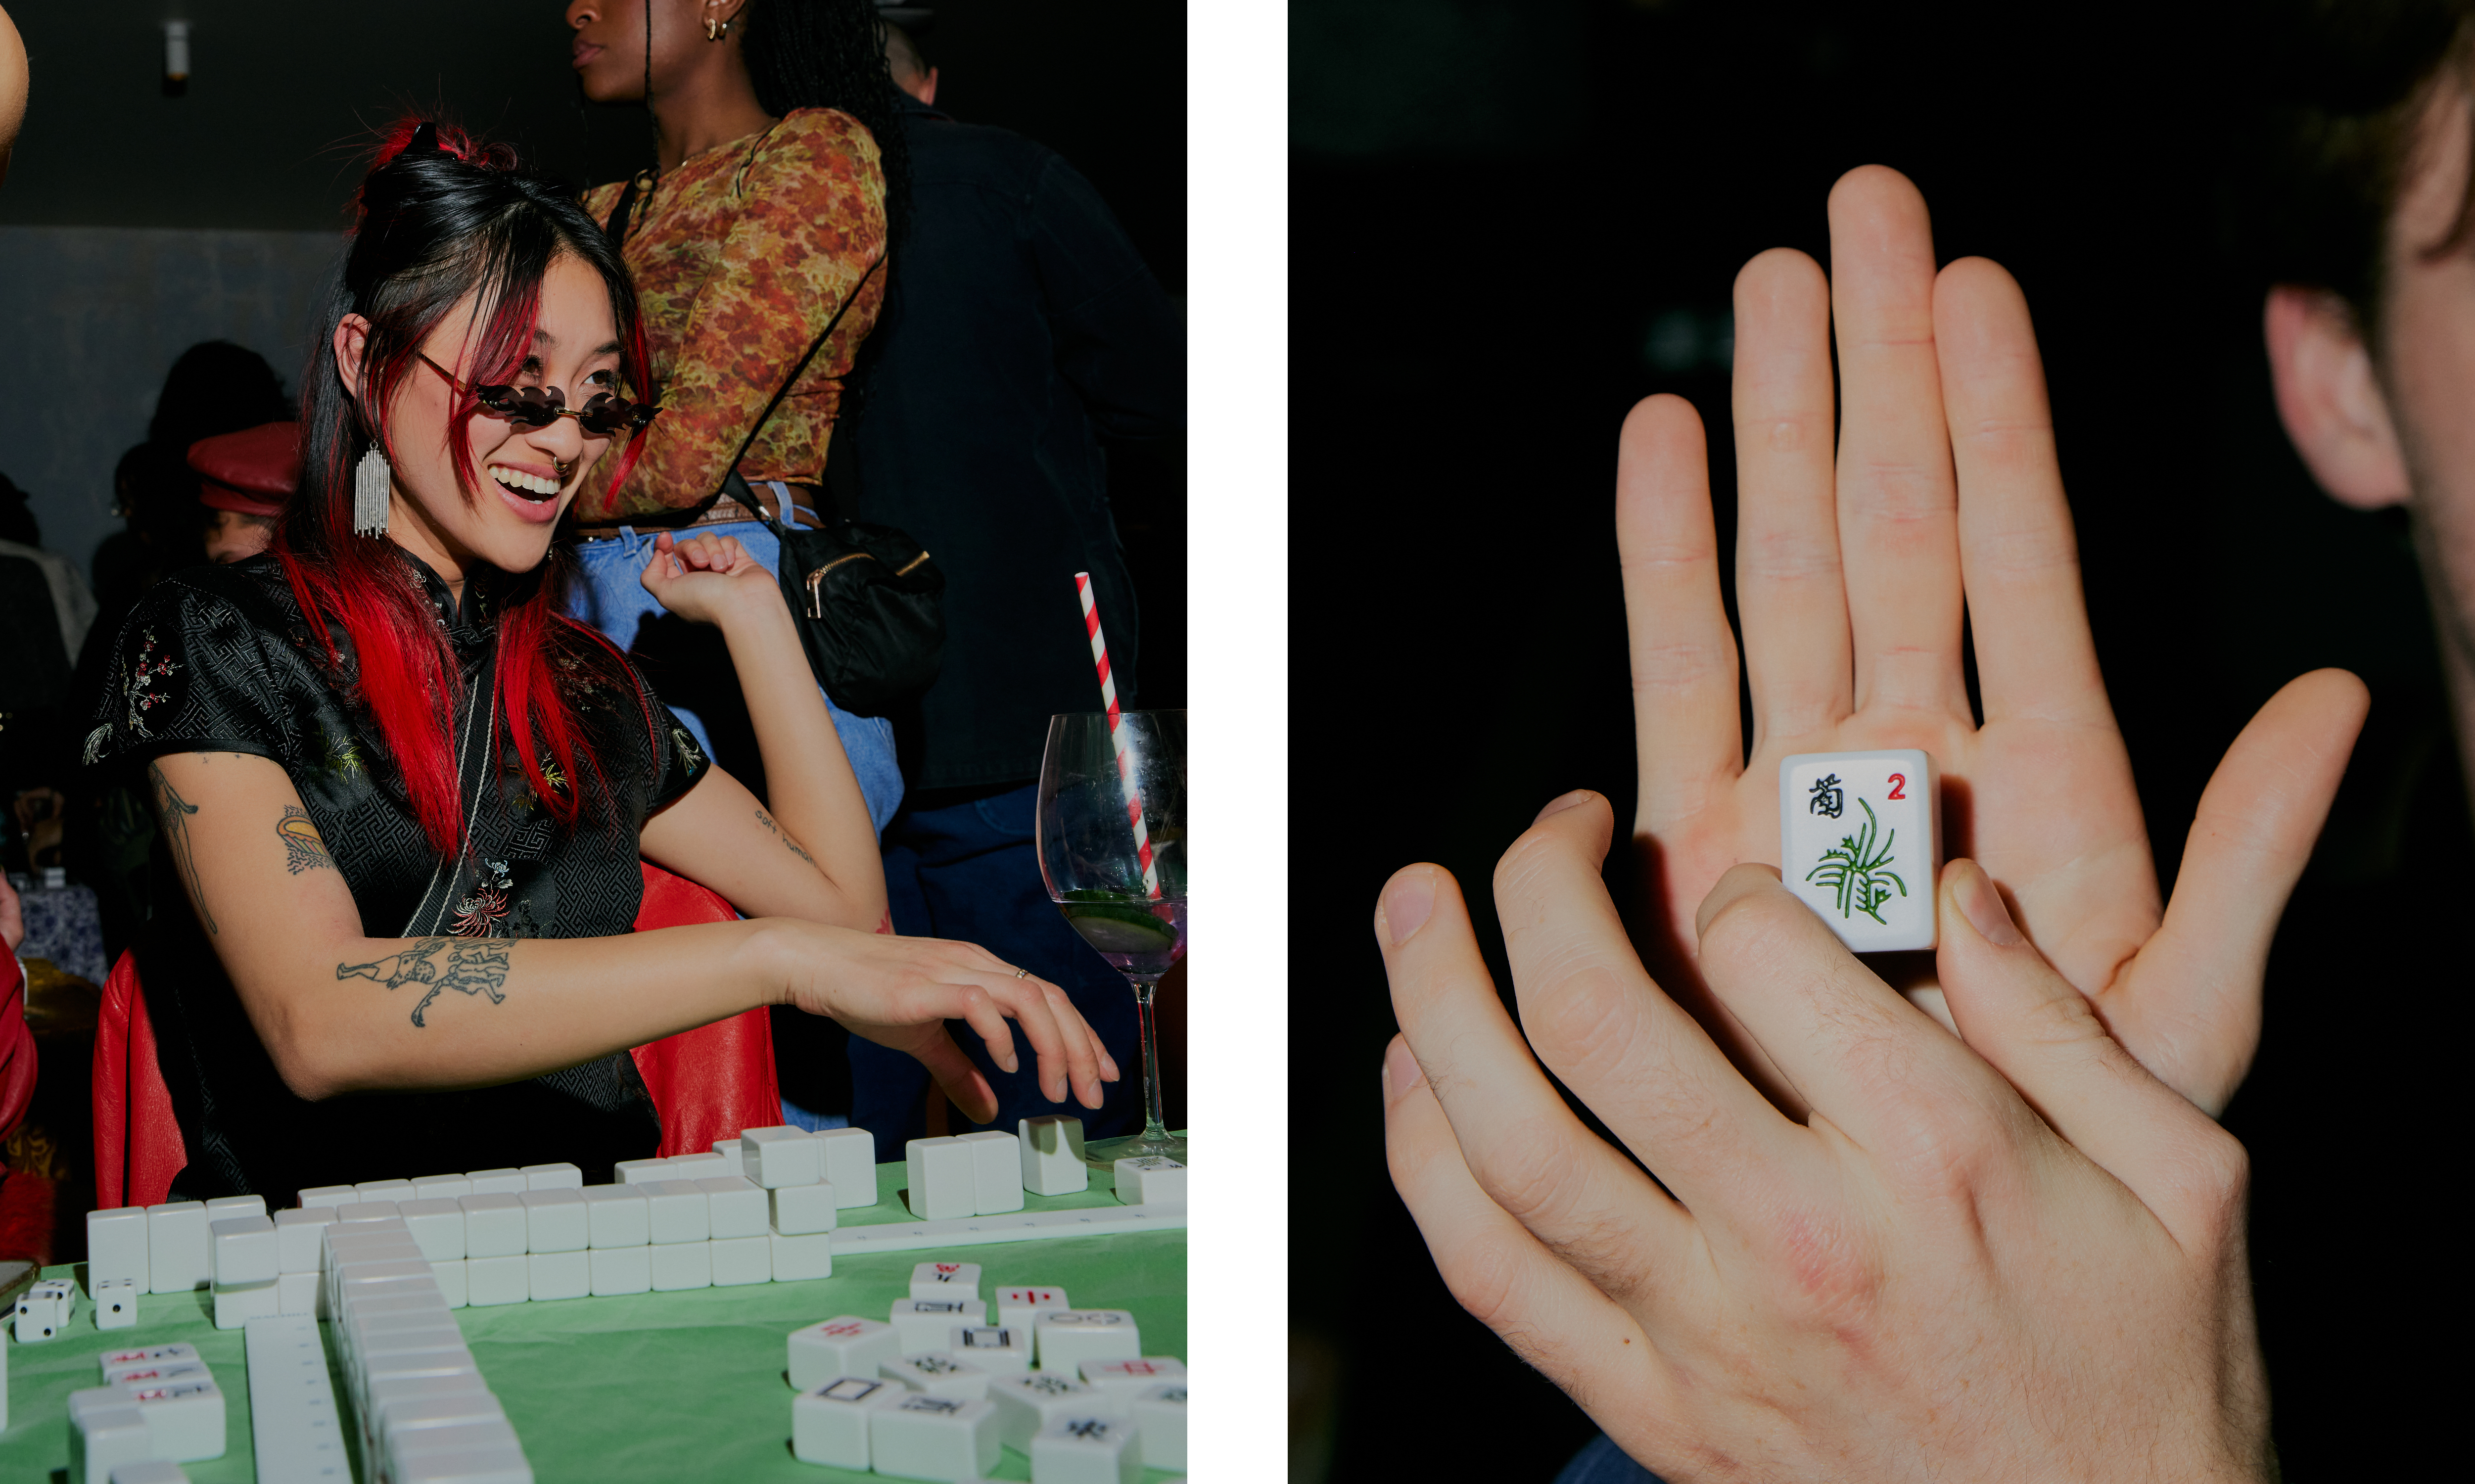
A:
[17,1047]
[712,1081]
[137,1146]
[707,1083]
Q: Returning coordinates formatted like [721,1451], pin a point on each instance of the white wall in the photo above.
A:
[92,319]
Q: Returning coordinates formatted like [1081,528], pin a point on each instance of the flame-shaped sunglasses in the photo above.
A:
[603,415]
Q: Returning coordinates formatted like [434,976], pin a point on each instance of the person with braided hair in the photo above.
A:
[758,243]
[403,800]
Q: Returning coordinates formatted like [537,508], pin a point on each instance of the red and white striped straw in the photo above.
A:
[1117,733]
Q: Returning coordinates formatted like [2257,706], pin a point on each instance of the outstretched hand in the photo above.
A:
[1854,569]
[1927,1276]
[900,992]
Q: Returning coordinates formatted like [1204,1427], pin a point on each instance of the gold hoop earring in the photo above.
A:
[715,31]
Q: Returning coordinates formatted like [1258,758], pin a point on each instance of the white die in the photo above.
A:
[781,1156]
[802,1211]
[938,1374]
[676,1266]
[437,1226]
[42,1313]
[1133,1377]
[1087,1451]
[676,1211]
[1158,1415]
[735,1207]
[1052,1154]
[1066,1338]
[937,1177]
[115,1245]
[741,1260]
[1860,842]
[115,1303]
[924,1322]
[924,1437]
[830,1422]
[996,1171]
[992,1347]
[945,1281]
[1027,1403]
[617,1216]
[849,1157]
[845,1345]
[1150,1178]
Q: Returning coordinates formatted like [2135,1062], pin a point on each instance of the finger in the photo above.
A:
[1684,657]
[1577,1336]
[2045,1037]
[1528,1152]
[1084,1052]
[956,1075]
[1647,1068]
[2190,1008]
[2018,556]
[976,1006]
[1065,1061]
[1898,539]
[1852,1049]
[1788,587]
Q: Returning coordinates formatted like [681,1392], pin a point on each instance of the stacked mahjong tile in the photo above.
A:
[157,1406]
[935,1389]
[426,1413]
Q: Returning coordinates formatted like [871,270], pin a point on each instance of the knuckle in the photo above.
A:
[1750,928]
[1828,1277]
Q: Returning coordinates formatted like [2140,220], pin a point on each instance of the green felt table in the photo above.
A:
[671,1386]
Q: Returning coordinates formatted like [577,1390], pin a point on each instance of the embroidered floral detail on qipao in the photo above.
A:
[94,742]
[687,747]
[142,694]
[478,915]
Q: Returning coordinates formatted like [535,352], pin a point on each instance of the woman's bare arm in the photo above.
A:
[814,855]
[339,1012]
[13,89]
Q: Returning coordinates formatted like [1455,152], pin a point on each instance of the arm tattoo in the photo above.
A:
[472,966]
[303,849]
[174,812]
[766,820]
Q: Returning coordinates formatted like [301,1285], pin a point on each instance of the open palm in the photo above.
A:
[1855,567]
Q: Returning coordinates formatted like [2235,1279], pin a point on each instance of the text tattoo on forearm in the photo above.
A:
[470,968]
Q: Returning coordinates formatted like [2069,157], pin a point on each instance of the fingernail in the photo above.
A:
[1572,800]
[1406,901]
[1401,1073]
[1975,893]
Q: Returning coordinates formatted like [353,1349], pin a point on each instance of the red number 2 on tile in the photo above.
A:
[1898,783]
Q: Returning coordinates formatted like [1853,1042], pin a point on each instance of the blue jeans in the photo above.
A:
[1604,1463]
[610,596]
[969,871]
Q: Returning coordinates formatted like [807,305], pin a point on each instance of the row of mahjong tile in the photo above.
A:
[158,1404]
[1101,1405]
[425,1412]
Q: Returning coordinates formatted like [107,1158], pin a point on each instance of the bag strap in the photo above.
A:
[731,472]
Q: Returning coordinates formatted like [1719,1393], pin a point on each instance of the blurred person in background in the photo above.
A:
[760,243]
[13,89]
[1022,334]
[243,480]
[44,613]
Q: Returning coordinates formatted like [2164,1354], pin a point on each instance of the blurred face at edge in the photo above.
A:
[528,477]
[234,536]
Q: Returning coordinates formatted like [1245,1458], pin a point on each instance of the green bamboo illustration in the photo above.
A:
[1853,869]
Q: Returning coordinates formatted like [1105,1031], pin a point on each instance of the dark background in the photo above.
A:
[1513,220]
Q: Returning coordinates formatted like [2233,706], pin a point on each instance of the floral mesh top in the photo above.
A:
[221,660]
[741,256]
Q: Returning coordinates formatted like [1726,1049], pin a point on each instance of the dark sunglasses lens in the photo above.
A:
[606,415]
[526,406]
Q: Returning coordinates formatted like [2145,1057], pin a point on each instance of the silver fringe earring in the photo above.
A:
[373,485]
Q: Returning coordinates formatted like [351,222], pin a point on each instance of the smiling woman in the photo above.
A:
[381,740]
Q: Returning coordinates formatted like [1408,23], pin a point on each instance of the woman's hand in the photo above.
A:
[900,992]
[710,579]
[1853,570]
[1929,1275]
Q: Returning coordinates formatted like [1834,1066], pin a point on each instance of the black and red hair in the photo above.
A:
[444,219]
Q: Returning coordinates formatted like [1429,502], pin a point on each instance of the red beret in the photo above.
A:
[253,471]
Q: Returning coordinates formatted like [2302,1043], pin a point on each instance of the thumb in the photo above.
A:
[2189,1008]
[2014,1010]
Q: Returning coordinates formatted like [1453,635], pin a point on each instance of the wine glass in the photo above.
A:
[1092,859]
